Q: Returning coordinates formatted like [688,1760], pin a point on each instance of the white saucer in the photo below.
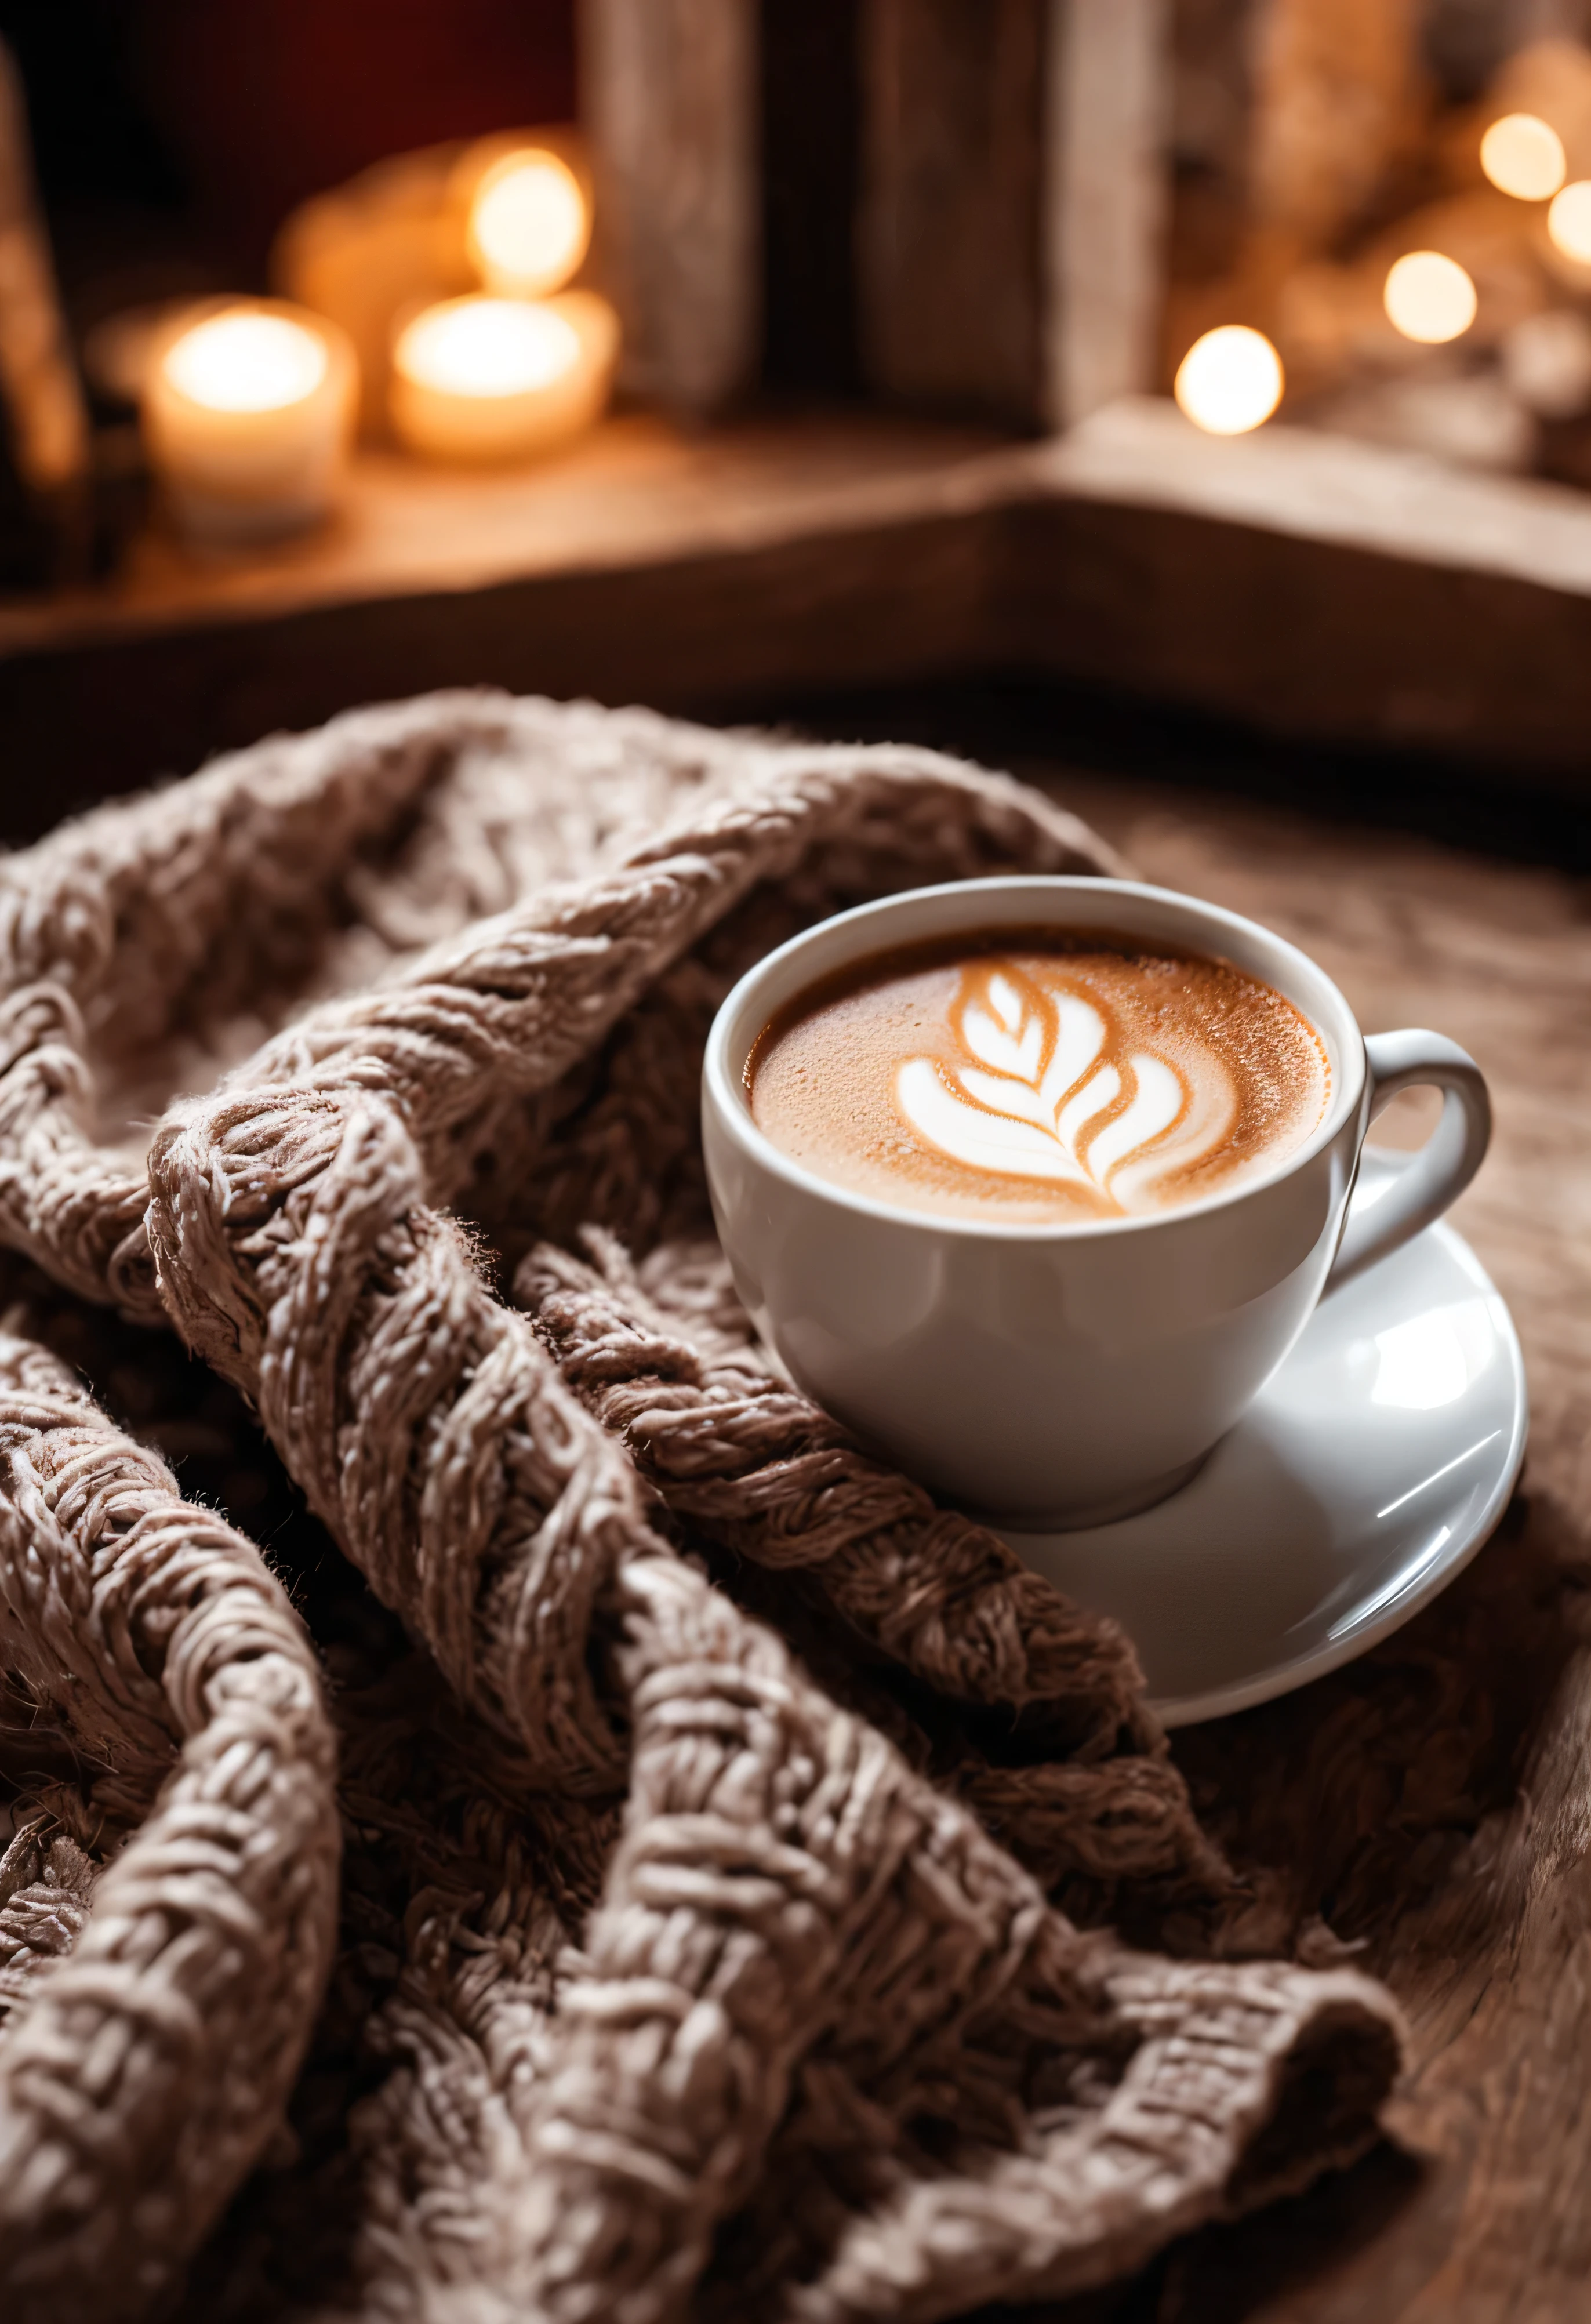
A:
[1363,1478]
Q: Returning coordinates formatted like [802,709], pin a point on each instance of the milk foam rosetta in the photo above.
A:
[1065,1080]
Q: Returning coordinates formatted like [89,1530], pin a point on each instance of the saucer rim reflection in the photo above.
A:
[1439,1246]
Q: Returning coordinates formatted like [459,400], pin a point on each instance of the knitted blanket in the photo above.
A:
[617,1851]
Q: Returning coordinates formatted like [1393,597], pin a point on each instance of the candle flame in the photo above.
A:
[1229,381]
[1523,156]
[529,225]
[1428,298]
[487,347]
[241,361]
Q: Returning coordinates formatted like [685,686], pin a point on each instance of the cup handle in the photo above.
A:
[1444,1165]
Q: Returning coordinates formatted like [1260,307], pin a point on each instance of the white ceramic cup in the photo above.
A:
[1065,1375]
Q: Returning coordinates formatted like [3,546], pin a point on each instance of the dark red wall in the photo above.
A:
[265,101]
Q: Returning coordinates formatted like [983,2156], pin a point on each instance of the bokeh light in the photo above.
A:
[1568,221]
[1229,381]
[1430,298]
[1523,156]
[528,224]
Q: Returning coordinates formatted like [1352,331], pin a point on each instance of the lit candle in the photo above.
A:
[530,224]
[510,213]
[1229,381]
[248,413]
[502,379]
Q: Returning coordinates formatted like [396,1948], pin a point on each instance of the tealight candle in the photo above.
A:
[248,412]
[501,379]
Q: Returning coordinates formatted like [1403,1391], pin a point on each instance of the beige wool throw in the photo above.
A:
[690,1879]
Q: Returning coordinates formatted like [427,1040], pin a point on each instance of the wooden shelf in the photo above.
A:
[634,493]
[1322,588]
[1311,585]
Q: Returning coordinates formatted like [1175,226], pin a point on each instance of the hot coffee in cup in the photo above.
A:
[1037,1210]
[1030,1074]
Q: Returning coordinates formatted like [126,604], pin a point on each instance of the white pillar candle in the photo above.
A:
[502,379]
[247,413]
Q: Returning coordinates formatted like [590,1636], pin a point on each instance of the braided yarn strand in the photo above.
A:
[759,1470]
[796,1926]
[701,1995]
[133,931]
[786,1890]
[787,1896]
[144,2070]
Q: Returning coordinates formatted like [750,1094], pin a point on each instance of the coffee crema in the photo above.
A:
[1031,1075]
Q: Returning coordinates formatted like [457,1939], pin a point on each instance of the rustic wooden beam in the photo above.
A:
[650,565]
[1013,169]
[1107,105]
[949,237]
[1308,585]
[1313,586]
[670,101]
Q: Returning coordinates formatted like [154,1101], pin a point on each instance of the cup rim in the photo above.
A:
[721,1087]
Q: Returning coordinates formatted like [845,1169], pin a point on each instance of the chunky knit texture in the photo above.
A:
[721,1818]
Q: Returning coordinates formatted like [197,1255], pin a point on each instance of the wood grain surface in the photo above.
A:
[1310,587]
[1432,1802]
[669,96]
[1106,199]
[949,235]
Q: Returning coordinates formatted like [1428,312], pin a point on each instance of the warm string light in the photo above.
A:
[1428,298]
[1568,221]
[1523,156]
[1229,381]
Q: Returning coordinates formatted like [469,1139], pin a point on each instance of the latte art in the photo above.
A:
[1092,1081]
[1043,1100]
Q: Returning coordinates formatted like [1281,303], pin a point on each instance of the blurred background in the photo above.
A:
[1202,386]
[171,137]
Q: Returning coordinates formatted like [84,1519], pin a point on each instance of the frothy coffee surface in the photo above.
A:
[1029,1077]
